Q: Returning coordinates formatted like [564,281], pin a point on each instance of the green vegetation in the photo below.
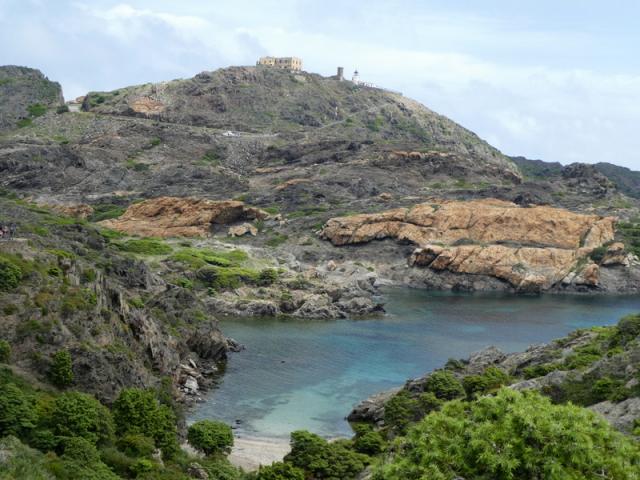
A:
[444,385]
[630,232]
[490,380]
[144,246]
[61,372]
[210,437]
[276,240]
[5,351]
[403,409]
[326,460]
[36,110]
[62,109]
[10,274]
[105,211]
[200,257]
[24,122]
[512,435]
[72,436]
[280,471]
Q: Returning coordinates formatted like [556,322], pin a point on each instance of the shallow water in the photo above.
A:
[309,374]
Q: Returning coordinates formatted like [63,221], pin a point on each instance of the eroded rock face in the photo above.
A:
[530,248]
[185,217]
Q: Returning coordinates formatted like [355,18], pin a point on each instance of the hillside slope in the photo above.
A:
[25,93]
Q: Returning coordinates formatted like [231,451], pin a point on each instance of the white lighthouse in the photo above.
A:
[356,77]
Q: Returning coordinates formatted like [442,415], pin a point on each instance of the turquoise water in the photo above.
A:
[308,374]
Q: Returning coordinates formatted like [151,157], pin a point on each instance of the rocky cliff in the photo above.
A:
[532,248]
[65,285]
[25,93]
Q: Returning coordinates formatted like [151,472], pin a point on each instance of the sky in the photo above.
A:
[557,80]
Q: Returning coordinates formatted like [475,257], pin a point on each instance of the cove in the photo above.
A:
[298,374]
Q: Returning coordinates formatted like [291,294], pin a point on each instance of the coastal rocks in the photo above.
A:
[372,408]
[530,248]
[621,415]
[616,255]
[186,217]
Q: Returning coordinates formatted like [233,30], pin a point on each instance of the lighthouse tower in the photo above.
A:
[356,77]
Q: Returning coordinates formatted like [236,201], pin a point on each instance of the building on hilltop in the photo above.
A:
[285,63]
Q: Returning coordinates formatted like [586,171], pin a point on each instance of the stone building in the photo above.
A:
[286,63]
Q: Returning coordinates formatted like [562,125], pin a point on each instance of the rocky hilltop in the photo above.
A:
[306,149]
[25,93]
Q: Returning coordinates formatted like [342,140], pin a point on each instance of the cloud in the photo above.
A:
[531,84]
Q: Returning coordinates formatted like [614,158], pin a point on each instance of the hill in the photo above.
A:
[25,93]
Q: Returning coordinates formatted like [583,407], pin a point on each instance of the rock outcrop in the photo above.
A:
[530,248]
[181,217]
[21,89]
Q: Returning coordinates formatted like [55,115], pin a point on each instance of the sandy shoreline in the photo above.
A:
[251,452]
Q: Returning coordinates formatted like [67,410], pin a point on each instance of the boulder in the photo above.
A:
[240,230]
[621,415]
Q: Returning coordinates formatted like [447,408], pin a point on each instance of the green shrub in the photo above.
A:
[491,379]
[138,411]
[444,385]
[62,109]
[369,443]
[268,276]
[276,240]
[535,371]
[37,110]
[628,328]
[200,257]
[61,372]
[210,436]
[10,275]
[221,278]
[17,411]
[105,211]
[76,414]
[145,246]
[80,449]
[5,351]
[280,471]
[512,435]
[136,445]
[321,459]
[24,122]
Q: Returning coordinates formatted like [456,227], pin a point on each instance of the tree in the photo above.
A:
[17,412]
[61,372]
[330,461]
[512,435]
[280,471]
[139,412]
[210,436]
[76,414]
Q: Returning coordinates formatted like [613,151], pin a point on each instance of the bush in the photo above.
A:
[17,411]
[145,246]
[322,459]
[628,328]
[268,276]
[77,448]
[136,445]
[221,278]
[37,110]
[61,372]
[280,471]
[369,443]
[76,414]
[10,275]
[444,385]
[62,109]
[5,351]
[491,379]
[210,436]
[512,435]
[138,411]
